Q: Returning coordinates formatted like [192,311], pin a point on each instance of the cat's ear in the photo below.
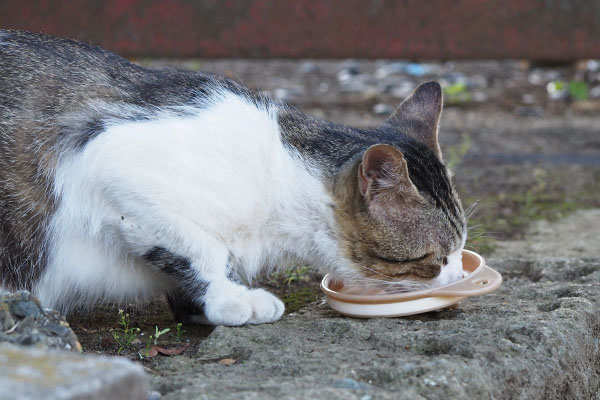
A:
[419,115]
[383,173]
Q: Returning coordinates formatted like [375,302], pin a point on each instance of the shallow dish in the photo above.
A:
[479,279]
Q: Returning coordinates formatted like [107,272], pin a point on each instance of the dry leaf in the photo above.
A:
[227,361]
[153,352]
[171,352]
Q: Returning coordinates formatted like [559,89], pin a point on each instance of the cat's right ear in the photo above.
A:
[383,174]
[419,116]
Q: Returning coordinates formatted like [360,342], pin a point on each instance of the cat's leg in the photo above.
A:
[185,309]
[212,297]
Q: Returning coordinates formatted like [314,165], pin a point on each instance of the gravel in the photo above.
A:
[23,321]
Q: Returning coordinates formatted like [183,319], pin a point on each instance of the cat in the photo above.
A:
[119,183]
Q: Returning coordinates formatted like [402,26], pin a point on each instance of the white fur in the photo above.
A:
[206,186]
[452,271]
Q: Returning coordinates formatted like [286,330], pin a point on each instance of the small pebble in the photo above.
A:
[154,395]
[382,109]
[308,67]
[393,68]
[416,69]
[288,93]
[347,73]
[593,65]
[557,90]
[323,87]
[535,78]
[403,90]
[595,92]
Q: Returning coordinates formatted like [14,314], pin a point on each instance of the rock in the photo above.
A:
[29,373]
[288,93]
[535,77]
[536,337]
[323,87]
[383,109]
[400,67]
[23,321]
[348,72]
[593,65]
[402,90]
[557,90]
[308,67]
[361,83]
[392,68]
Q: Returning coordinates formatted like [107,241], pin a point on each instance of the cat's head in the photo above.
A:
[399,215]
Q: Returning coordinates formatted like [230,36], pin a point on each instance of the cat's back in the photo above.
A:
[44,70]
[44,73]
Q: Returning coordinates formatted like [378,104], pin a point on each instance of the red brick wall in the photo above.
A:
[436,29]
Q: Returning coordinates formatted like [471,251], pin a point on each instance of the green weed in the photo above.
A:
[126,334]
[456,93]
[179,331]
[290,275]
[153,340]
[579,90]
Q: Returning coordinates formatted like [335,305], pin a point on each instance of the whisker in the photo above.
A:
[376,272]
[471,209]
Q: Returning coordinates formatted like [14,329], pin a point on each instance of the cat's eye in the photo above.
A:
[404,261]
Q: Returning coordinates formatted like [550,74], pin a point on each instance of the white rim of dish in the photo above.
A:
[481,279]
[400,309]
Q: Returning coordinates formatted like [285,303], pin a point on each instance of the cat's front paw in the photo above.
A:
[251,306]
[265,307]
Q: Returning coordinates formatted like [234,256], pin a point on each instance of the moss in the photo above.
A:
[297,299]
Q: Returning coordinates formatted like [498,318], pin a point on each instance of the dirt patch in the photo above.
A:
[96,328]
[575,236]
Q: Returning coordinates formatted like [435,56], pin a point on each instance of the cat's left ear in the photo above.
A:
[419,116]
[383,172]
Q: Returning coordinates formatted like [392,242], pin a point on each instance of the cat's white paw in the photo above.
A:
[265,307]
[250,306]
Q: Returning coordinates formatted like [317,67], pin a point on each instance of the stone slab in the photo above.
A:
[537,337]
[32,373]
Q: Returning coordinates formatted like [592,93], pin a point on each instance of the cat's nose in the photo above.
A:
[444,261]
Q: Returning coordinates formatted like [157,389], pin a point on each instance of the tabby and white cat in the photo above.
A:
[118,183]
